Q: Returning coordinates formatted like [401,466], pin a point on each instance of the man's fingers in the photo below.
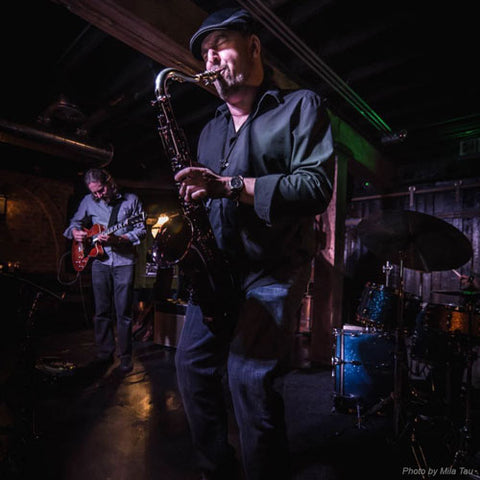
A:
[182,189]
[183,174]
[199,194]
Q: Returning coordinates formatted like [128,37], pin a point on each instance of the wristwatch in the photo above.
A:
[236,185]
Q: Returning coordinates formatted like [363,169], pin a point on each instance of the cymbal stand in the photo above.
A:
[387,269]
[400,355]
[403,425]
[466,429]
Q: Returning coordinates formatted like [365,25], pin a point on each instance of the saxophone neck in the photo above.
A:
[175,75]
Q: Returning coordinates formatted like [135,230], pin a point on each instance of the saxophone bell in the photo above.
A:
[172,241]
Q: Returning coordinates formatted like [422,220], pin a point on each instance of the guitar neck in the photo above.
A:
[112,229]
[118,226]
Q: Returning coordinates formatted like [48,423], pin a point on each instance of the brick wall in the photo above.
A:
[36,216]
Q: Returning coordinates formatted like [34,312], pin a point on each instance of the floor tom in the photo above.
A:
[363,365]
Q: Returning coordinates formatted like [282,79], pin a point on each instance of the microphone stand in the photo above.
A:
[19,388]
[37,287]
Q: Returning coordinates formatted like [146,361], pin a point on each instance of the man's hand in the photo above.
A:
[104,239]
[79,235]
[197,183]
[469,283]
[111,240]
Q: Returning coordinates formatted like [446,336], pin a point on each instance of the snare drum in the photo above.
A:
[451,319]
[378,307]
[363,365]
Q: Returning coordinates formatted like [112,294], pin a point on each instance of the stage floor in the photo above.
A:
[64,420]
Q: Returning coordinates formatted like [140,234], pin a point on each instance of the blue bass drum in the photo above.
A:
[363,367]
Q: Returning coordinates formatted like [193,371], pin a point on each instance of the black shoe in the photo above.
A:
[126,365]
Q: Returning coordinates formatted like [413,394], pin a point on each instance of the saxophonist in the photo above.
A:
[264,173]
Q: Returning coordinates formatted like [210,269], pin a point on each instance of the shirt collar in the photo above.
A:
[117,198]
[265,96]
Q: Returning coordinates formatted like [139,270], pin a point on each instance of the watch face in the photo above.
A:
[236,183]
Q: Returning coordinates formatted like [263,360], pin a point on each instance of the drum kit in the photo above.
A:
[372,359]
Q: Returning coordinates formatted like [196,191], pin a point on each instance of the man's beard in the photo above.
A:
[106,198]
[227,86]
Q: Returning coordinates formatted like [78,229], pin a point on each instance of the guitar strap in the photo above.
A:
[113,216]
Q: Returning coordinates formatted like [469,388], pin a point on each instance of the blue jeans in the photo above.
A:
[254,358]
[113,288]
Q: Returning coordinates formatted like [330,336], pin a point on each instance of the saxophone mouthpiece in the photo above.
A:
[209,76]
[220,70]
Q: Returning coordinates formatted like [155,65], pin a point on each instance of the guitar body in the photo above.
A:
[82,252]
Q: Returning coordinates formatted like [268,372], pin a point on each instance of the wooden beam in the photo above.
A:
[159,30]
[364,159]
[162,30]
[328,270]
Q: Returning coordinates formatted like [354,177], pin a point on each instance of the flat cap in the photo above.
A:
[224,19]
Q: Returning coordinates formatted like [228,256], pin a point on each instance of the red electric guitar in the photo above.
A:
[82,252]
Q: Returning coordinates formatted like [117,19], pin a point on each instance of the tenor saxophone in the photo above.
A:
[187,238]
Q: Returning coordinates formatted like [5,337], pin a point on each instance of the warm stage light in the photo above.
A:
[162,219]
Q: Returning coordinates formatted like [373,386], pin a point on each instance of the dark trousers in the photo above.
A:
[254,360]
[113,289]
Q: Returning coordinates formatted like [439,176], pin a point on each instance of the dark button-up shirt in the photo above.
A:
[285,144]
[91,212]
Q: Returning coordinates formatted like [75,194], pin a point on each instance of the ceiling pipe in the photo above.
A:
[57,145]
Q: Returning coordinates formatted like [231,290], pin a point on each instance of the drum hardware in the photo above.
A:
[418,454]
[419,242]
[362,415]
[444,342]
[416,447]
[465,438]
[399,373]
[387,270]
[452,361]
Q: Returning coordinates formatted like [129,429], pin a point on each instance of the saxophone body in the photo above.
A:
[187,239]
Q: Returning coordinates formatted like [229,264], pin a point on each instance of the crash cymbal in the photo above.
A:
[424,242]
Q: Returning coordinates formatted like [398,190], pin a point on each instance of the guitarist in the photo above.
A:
[113,270]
